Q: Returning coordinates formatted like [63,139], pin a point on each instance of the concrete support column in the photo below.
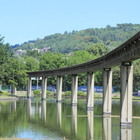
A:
[59,89]
[74,88]
[107,91]
[44,87]
[29,88]
[126,94]
[13,90]
[90,91]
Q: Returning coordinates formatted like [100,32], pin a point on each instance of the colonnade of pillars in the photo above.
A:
[126,91]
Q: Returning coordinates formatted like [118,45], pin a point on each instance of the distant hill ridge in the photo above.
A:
[79,40]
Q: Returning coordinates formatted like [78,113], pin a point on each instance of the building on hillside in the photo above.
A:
[20,52]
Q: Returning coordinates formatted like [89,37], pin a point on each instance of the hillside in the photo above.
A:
[79,40]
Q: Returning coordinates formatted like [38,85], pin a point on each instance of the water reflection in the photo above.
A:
[0,107]
[36,107]
[106,128]
[43,111]
[74,120]
[58,114]
[29,108]
[126,133]
[14,106]
[89,125]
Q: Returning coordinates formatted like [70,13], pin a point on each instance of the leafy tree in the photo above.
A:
[15,73]
[97,49]
[32,64]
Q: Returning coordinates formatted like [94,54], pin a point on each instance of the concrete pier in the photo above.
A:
[29,88]
[107,91]
[59,89]
[126,94]
[90,91]
[44,87]
[74,88]
[13,90]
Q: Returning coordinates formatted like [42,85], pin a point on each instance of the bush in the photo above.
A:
[48,92]
[4,93]
[81,93]
[54,94]
[37,92]
[68,93]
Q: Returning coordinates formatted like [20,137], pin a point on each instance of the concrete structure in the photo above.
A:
[90,91]
[44,88]
[59,89]
[107,91]
[74,87]
[122,55]
[126,93]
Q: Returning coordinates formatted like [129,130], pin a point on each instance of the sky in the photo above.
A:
[24,20]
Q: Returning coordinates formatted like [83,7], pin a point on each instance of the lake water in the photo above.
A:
[53,121]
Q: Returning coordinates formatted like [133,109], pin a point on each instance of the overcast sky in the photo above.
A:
[24,20]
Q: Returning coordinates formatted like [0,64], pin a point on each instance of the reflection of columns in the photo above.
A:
[29,88]
[126,134]
[74,86]
[29,108]
[36,106]
[59,89]
[58,114]
[14,105]
[74,120]
[90,125]
[43,111]
[44,87]
[90,91]
[107,128]
[126,94]
[107,91]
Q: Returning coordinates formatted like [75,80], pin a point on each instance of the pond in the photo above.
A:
[32,118]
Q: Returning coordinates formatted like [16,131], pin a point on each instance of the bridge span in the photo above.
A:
[122,55]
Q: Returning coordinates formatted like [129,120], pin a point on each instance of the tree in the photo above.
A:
[97,49]
[15,73]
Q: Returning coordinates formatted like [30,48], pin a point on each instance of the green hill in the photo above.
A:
[79,40]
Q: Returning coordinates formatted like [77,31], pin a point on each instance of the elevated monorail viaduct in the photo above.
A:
[122,55]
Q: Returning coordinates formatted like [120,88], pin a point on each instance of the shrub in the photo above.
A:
[37,92]
[81,93]
[48,92]
[4,93]
[68,93]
